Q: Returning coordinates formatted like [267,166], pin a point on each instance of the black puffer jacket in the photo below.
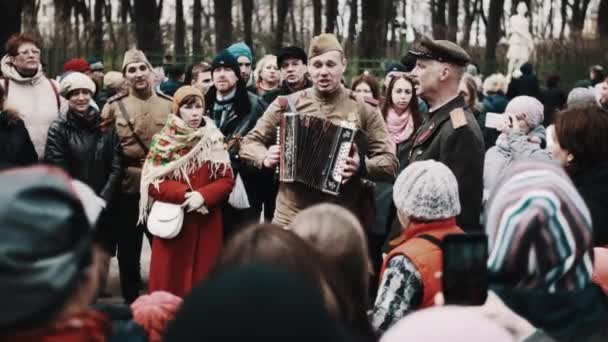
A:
[16,147]
[87,153]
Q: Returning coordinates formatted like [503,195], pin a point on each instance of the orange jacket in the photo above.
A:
[420,245]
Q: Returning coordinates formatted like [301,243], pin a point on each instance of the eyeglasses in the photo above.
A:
[134,69]
[34,52]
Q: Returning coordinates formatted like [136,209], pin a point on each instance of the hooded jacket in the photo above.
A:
[35,98]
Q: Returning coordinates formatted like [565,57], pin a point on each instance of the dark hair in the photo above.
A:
[583,131]
[16,40]
[600,74]
[195,69]
[2,95]
[553,81]
[469,82]
[270,244]
[371,81]
[413,105]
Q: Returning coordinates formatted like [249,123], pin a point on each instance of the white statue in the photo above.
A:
[521,44]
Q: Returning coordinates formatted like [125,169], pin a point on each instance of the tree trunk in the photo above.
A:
[10,21]
[247,8]
[147,28]
[602,19]
[98,28]
[282,10]
[294,26]
[197,36]
[317,7]
[579,13]
[372,21]
[180,32]
[352,23]
[113,40]
[223,23]
[469,11]
[493,34]
[272,8]
[331,14]
[452,20]
[30,17]
[438,19]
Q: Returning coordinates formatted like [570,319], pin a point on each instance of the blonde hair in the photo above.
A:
[495,83]
[262,64]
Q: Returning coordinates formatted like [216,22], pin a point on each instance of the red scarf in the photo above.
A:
[87,326]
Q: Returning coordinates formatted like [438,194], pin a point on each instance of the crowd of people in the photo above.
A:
[92,157]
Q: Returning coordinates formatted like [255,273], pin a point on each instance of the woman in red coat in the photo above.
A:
[188,165]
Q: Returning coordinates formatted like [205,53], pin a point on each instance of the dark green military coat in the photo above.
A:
[452,136]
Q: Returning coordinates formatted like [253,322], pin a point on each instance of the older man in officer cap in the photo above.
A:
[327,98]
[450,134]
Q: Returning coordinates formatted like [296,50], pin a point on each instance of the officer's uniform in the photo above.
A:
[451,135]
[380,161]
[147,117]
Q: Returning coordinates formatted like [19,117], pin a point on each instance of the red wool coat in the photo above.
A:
[178,264]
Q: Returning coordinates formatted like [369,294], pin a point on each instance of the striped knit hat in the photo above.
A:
[539,230]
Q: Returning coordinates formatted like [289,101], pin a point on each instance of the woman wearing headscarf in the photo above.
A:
[187,165]
[541,244]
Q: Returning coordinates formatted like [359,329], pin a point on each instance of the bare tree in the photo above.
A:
[452,20]
[147,27]
[317,7]
[331,14]
[493,34]
[180,31]
[352,23]
[282,10]
[372,21]
[197,37]
[579,13]
[438,21]
[470,14]
[98,27]
[602,19]
[223,23]
[247,8]
[10,20]
[30,16]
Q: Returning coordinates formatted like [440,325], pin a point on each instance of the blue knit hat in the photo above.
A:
[240,49]
[539,230]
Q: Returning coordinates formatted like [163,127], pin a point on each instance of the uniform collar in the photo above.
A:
[328,97]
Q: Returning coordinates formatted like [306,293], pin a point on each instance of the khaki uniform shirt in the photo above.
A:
[147,118]
[380,161]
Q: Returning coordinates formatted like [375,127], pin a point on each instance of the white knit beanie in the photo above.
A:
[528,105]
[76,80]
[427,190]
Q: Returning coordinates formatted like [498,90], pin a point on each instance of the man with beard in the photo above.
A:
[328,99]
[138,115]
[244,57]
[451,134]
[235,112]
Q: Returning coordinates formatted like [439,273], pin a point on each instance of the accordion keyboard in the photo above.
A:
[340,161]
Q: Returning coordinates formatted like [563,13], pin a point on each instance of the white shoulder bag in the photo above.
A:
[165,219]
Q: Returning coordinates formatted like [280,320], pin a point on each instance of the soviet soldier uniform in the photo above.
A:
[135,125]
[380,161]
[451,135]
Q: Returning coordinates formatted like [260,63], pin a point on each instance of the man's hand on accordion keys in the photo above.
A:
[351,164]
[272,157]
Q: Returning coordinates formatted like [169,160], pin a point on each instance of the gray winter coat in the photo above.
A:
[512,147]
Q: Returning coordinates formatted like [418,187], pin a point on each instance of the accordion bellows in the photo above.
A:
[313,151]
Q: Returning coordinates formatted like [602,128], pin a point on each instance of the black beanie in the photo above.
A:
[291,52]
[227,60]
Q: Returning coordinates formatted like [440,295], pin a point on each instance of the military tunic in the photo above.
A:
[380,161]
[452,136]
[147,118]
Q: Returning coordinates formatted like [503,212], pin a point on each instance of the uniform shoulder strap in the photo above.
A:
[125,115]
[117,97]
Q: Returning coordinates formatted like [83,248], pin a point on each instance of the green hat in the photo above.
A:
[324,43]
[440,50]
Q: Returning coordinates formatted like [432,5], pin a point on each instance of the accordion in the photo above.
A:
[313,150]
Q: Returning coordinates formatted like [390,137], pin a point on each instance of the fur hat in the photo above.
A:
[182,92]
[76,80]
[528,105]
[427,190]
[134,56]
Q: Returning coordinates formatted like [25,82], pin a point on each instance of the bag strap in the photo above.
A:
[6,83]
[56,91]
[125,115]
[435,241]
